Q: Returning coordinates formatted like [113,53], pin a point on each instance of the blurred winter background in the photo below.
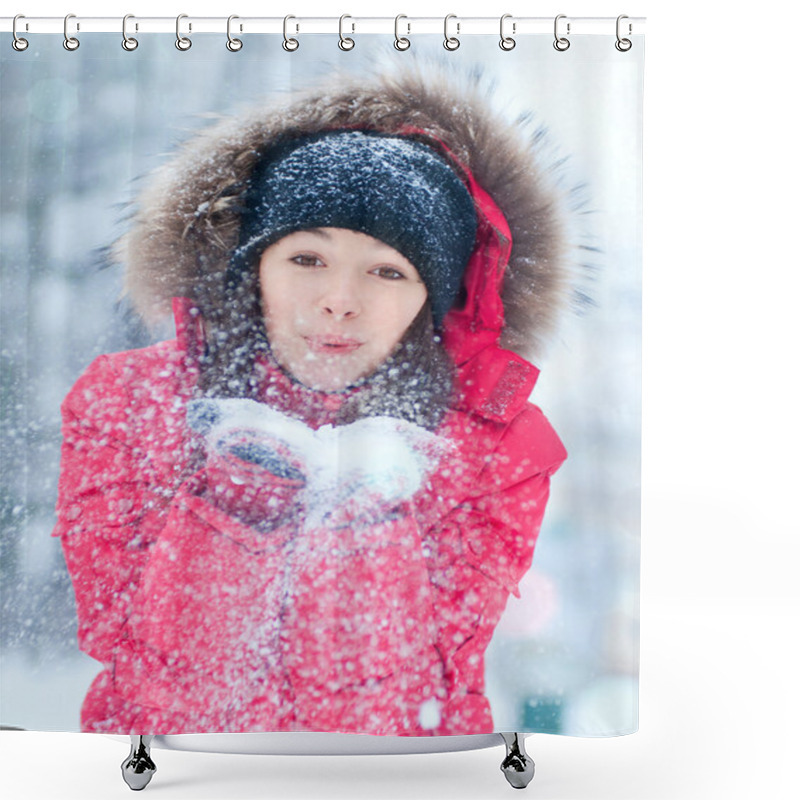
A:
[79,129]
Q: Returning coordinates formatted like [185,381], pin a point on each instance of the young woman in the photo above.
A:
[307,511]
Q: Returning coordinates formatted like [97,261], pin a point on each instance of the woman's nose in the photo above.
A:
[341,300]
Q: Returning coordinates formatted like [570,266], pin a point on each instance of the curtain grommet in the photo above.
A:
[183,43]
[561,43]
[289,44]
[233,44]
[18,43]
[70,42]
[451,42]
[507,43]
[345,42]
[128,42]
[401,42]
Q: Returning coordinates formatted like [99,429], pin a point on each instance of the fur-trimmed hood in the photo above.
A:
[186,216]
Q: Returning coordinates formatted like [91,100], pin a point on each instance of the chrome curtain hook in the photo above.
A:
[19,44]
[128,42]
[401,43]
[182,42]
[346,43]
[507,42]
[234,45]
[290,45]
[451,42]
[70,42]
[623,45]
[561,43]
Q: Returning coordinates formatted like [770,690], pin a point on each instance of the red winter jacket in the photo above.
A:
[204,623]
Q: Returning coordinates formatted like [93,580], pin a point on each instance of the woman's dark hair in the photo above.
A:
[415,383]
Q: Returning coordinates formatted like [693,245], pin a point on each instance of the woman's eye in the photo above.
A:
[306,260]
[389,272]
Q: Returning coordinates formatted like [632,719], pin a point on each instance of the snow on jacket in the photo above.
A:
[207,621]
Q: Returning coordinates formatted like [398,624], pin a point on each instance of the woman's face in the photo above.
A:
[336,303]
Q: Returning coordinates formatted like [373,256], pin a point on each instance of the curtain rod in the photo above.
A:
[404,25]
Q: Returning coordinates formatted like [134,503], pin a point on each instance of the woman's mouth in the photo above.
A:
[332,345]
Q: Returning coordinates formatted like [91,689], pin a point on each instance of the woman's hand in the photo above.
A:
[252,472]
[259,459]
[363,472]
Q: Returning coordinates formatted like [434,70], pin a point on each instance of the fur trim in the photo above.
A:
[186,218]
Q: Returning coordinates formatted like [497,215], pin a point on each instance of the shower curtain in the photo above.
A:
[206,533]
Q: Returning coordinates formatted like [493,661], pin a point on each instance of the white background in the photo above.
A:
[719,689]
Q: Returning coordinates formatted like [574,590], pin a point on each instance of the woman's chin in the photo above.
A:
[334,379]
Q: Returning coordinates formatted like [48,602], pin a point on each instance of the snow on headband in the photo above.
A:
[392,188]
